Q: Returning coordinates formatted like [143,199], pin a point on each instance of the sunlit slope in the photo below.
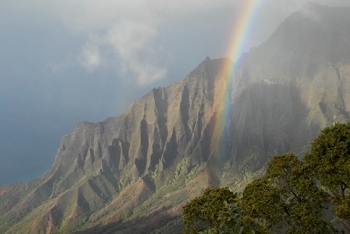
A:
[107,170]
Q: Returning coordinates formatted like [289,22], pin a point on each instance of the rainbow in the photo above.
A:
[241,33]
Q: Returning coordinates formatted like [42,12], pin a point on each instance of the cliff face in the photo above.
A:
[133,172]
[112,167]
[294,84]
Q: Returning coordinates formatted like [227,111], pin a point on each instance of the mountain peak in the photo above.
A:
[306,41]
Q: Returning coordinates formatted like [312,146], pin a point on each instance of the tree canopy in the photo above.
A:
[219,211]
[292,197]
[329,163]
[287,197]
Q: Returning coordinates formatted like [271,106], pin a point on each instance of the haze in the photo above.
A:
[63,62]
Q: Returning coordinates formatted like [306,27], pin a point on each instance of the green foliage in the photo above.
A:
[290,198]
[194,171]
[287,198]
[219,211]
[155,173]
[293,193]
[329,163]
[180,167]
[203,212]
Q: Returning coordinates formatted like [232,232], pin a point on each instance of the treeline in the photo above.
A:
[294,196]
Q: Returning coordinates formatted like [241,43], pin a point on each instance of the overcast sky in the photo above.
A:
[67,61]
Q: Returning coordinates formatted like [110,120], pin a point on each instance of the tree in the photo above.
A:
[219,211]
[287,197]
[329,163]
[290,198]
[203,212]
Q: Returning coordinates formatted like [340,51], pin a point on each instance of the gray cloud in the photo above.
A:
[132,41]
[129,28]
[90,57]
